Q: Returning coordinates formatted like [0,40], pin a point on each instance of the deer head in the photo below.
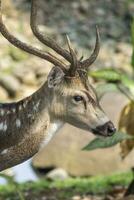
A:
[71,98]
[74,100]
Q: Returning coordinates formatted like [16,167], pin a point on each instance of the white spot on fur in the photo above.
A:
[8,111]
[4,152]
[24,104]
[36,106]
[18,123]
[3,126]
[13,110]
[52,130]
[20,107]
[29,115]
[2,112]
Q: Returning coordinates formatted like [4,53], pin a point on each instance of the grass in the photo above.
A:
[69,187]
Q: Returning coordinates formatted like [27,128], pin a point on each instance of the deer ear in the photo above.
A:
[55,77]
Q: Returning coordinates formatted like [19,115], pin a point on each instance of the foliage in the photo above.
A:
[118,80]
[126,124]
[66,188]
[132,30]
[107,142]
[13,185]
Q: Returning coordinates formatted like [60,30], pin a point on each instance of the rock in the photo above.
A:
[84,6]
[30,79]
[10,83]
[87,198]
[9,172]
[115,28]
[100,11]
[40,67]
[9,8]
[3,94]
[131,197]
[64,150]
[25,91]
[44,198]
[17,55]
[118,56]
[5,62]
[76,198]
[32,71]
[57,174]
[25,74]
[131,8]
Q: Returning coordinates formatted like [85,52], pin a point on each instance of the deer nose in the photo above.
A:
[108,129]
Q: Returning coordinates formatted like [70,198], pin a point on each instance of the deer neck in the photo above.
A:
[52,129]
[53,124]
[28,116]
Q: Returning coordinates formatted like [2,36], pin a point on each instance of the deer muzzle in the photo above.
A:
[107,129]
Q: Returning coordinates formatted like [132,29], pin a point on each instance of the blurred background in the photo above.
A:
[21,74]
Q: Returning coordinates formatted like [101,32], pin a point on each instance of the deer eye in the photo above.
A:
[78,98]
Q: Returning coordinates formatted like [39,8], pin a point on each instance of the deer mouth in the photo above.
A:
[108,129]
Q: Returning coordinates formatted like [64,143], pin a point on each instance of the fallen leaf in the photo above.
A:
[126,124]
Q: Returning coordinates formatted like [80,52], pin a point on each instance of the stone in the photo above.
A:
[3,94]
[32,71]
[17,55]
[84,6]
[26,91]
[118,56]
[9,9]
[57,174]
[76,198]
[25,74]
[65,149]
[131,197]
[10,83]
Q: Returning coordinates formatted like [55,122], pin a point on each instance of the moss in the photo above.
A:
[69,187]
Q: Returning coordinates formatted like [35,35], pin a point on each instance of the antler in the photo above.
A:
[86,63]
[74,65]
[69,56]
[28,48]
[44,39]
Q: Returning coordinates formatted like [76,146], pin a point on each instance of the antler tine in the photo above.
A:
[44,39]
[27,48]
[74,63]
[86,63]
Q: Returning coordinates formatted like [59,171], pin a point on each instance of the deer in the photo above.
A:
[67,96]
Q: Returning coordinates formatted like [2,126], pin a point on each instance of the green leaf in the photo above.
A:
[132,59]
[101,142]
[106,74]
[132,32]
[11,181]
[114,77]
[128,83]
